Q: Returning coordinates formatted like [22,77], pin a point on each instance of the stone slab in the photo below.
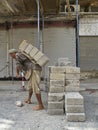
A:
[56,105]
[55,111]
[75,117]
[57,76]
[72,82]
[55,97]
[74,98]
[56,89]
[70,88]
[57,69]
[58,83]
[74,108]
[72,69]
[72,76]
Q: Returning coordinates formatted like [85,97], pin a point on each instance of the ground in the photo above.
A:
[24,118]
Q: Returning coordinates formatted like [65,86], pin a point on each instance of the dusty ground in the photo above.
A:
[24,118]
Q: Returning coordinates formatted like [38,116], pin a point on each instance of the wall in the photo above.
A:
[57,40]
[88,31]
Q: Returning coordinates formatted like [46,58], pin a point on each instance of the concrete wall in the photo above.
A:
[88,31]
[56,42]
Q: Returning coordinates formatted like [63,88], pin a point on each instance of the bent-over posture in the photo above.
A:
[24,64]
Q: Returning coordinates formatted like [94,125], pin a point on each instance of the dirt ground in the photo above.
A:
[24,118]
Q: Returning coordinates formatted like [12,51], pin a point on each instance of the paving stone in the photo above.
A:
[55,111]
[71,69]
[57,76]
[56,105]
[55,97]
[38,55]
[75,117]
[56,89]
[58,83]
[57,69]
[72,76]
[74,108]
[74,98]
[43,60]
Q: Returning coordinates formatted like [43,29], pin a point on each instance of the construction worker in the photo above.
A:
[24,63]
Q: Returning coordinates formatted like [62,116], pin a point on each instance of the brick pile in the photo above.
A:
[64,93]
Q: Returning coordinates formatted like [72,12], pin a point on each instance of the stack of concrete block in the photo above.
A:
[33,53]
[64,86]
[74,102]
[56,90]
[74,107]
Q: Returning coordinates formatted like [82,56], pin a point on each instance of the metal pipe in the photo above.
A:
[77,37]
[38,7]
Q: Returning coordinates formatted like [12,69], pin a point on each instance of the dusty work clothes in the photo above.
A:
[25,64]
[34,81]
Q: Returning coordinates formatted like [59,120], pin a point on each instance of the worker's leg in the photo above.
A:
[28,100]
[36,89]
[40,104]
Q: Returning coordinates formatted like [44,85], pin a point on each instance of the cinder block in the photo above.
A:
[56,105]
[75,117]
[70,88]
[43,60]
[33,52]
[55,97]
[74,98]
[28,49]
[38,55]
[74,108]
[56,89]
[55,111]
[72,82]
[71,69]
[58,83]
[57,76]
[23,45]
[73,76]
[57,69]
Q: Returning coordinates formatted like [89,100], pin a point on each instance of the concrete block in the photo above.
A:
[33,52]
[70,88]
[56,105]
[57,76]
[58,83]
[23,45]
[43,60]
[55,111]
[73,82]
[74,98]
[73,76]
[71,69]
[75,117]
[57,69]
[56,89]
[74,108]
[55,97]
[28,49]
[38,55]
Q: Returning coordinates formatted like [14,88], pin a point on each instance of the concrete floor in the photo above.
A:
[24,118]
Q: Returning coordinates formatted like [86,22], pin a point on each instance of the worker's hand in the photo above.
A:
[17,75]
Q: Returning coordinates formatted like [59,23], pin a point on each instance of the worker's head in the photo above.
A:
[12,53]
